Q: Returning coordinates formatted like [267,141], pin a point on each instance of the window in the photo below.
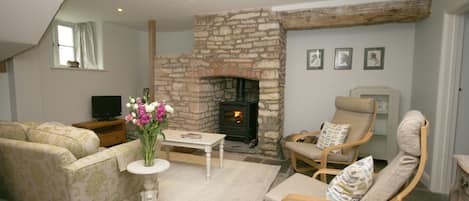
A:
[74,45]
[65,44]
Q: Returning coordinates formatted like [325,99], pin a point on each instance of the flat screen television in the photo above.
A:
[106,107]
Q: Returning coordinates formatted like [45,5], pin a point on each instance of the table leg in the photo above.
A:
[208,152]
[221,153]
[167,152]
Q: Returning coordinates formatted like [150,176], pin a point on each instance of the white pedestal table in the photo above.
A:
[150,174]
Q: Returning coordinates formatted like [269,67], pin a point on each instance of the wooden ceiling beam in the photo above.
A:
[359,14]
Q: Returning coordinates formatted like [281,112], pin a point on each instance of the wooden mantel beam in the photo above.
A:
[358,14]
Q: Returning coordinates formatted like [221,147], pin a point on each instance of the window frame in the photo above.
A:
[56,44]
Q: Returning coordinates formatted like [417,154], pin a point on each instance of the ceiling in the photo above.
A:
[171,15]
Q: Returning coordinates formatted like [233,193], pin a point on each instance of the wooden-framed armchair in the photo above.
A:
[360,113]
[394,182]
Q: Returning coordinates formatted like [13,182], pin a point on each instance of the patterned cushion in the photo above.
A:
[81,142]
[332,134]
[352,182]
[13,130]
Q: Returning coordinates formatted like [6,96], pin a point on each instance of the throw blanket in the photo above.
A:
[127,154]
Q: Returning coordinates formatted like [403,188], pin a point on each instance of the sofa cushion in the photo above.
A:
[13,130]
[81,142]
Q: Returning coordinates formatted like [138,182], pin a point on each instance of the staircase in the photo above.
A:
[23,22]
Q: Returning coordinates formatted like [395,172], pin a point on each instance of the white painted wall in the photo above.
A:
[310,94]
[45,94]
[5,106]
[174,43]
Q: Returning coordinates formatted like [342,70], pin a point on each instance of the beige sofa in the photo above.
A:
[52,162]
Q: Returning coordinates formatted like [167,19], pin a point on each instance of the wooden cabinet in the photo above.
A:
[383,145]
[109,132]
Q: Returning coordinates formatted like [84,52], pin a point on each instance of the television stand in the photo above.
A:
[110,132]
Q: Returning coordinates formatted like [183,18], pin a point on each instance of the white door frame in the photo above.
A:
[447,100]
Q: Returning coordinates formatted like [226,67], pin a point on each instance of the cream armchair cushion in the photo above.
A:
[80,142]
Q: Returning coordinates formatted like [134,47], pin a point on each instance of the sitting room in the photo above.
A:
[266,100]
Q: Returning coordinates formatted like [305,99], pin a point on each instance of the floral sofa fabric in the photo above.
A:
[50,172]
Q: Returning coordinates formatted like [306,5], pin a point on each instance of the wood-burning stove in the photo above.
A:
[238,119]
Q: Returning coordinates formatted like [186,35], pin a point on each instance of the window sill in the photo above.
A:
[78,69]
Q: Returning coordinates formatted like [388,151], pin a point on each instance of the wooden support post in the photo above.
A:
[151,58]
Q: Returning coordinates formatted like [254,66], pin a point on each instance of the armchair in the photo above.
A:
[394,182]
[360,113]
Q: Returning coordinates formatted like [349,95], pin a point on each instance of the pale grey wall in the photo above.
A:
[174,43]
[45,94]
[310,94]
[5,106]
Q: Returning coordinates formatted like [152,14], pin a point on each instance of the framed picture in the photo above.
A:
[374,58]
[314,59]
[343,58]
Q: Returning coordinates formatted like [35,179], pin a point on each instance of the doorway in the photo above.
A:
[462,125]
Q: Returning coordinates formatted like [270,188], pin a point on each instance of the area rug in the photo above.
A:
[236,181]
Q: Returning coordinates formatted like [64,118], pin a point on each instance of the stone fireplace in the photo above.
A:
[247,44]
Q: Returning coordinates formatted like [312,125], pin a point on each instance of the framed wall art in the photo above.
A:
[315,59]
[343,58]
[374,58]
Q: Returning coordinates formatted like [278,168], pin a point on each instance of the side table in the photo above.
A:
[150,173]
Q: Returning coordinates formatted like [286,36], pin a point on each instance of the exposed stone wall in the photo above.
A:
[248,44]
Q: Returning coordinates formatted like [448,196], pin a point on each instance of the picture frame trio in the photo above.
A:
[373,59]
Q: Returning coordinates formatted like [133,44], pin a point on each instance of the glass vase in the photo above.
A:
[148,141]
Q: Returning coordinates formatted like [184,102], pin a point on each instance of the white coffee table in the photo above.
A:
[150,173]
[206,143]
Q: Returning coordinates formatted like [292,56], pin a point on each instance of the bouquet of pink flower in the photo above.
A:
[149,119]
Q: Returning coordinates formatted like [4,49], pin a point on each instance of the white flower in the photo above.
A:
[169,109]
[132,100]
[133,114]
[128,105]
[149,108]
[155,104]
[134,121]
[135,106]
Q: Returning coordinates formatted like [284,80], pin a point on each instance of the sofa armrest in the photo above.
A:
[98,177]
[27,169]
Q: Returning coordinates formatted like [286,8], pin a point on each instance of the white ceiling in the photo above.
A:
[171,15]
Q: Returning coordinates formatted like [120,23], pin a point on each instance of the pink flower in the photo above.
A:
[139,100]
[128,118]
[160,112]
